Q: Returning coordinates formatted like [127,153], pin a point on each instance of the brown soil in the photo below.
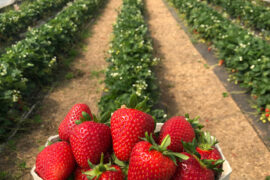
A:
[86,88]
[188,87]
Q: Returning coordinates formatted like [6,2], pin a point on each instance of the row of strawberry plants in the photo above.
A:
[13,22]
[29,64]
[246,56]
[131,63]
[253,15]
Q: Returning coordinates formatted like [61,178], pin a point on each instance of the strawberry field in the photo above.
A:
[134,89]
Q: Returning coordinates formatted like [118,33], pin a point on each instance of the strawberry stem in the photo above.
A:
[163,148]
[165,143]
[96,171]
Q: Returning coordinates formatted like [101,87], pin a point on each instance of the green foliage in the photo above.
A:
[244,54]
[96,74]
[13,22]
[29,64]
[131,62]
[225,94]
[3,175]
[253,15]
[69,75]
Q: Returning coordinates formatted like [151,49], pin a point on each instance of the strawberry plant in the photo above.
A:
[250,13]
[244,54]
[131,62]
[29,64]
[13,22]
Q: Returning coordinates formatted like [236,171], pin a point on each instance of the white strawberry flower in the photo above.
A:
[240,58]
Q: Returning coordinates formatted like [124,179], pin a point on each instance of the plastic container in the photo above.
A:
[227,170]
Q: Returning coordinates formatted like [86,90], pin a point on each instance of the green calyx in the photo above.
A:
[97,170]
[190,147]
[195,124]
[123,165]
[85,117]
[163,148]
[206,141]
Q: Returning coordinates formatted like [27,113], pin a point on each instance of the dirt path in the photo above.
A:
[188,87]
[86,88]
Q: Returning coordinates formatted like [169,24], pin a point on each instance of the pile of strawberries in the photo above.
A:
[129,149]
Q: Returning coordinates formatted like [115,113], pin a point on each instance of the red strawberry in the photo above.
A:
[206,147]
[114,174]
[127,127]
[179,130]
[153,162]
[75,113]
[266,110]
[88,140]
[192,169]
[55,161]
[100,172]
[220,62]
[79,174]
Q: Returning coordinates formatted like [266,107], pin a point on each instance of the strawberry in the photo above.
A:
[127,127]
[78,175]
[150,161]
[266,110]
[179,130]
[206,147]
[55,161]
[100,172]
[220,62]
[192,169]
[266,115]
[195,167]
[75,113]
[88,140]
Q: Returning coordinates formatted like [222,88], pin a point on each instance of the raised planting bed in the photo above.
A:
[29,65]
[13,22]
[245,56]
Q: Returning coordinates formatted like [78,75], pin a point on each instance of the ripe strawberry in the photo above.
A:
[206,147]
[179,130]
[195,167]
[220,62]
[78,175]
[113,173]
[192,169]
[153,162]
[55,161]
[266,110]
[127,127]
[100,172]
[88,140]
[266,115]
[75,113]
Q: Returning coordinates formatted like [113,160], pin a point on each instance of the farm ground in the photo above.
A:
[186,86]
[87,88]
